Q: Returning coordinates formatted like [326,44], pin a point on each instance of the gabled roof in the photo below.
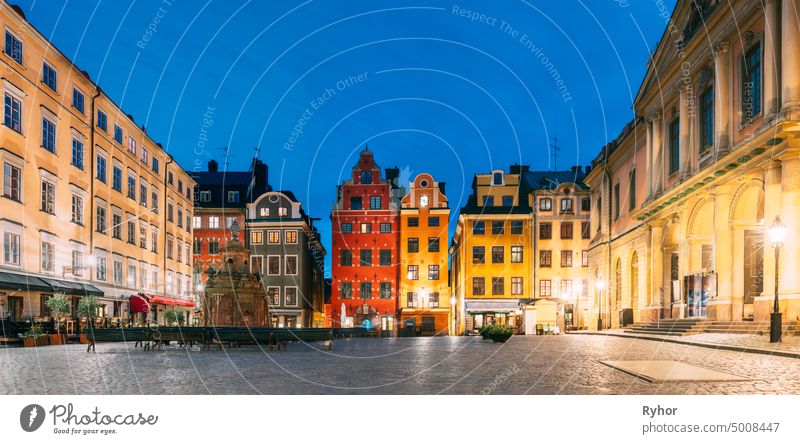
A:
[548,180]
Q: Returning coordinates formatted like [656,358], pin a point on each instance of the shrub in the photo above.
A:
[59,306]
[87,307]
[173,316]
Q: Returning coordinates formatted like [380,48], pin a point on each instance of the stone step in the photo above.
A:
[664,333]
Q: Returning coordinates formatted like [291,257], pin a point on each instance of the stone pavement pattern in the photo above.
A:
[567,364]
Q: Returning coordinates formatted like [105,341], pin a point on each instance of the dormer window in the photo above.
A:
[366,177]
[283,211]
[497,178]
[263,212]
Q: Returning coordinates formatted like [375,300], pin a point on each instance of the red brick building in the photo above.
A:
[365,254]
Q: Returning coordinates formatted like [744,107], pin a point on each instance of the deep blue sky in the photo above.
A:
[439,92]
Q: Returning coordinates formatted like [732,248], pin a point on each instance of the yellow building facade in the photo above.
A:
[91,205]
[424,294]
[491,252]
[684,197]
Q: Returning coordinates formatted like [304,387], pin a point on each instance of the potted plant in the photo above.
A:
[35,337]
[499,333]
[87,308]
[484,332]
[58,305]
[173,317]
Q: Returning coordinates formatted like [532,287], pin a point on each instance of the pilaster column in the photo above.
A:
[790,55]
[772,208]
[772,57]
[790,216]
[723,247]
[722,96]
[657,168]
[657,264]
[684,140]
[649,162]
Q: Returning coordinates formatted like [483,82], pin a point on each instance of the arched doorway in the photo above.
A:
[635,281]
[747,215]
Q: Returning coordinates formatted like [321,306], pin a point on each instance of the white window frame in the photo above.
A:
[296,295]
[266,264]
[297,265]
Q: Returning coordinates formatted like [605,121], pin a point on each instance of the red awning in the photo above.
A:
[139,304]
[163,300]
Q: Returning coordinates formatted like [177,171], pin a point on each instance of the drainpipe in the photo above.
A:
[93,174]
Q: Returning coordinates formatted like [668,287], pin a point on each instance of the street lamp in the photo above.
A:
[600,286]
[777,234]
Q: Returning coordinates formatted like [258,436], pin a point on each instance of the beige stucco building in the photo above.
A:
[91,205]
[683,197]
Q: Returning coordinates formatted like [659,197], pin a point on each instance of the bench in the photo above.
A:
[236,336]
[135,335]
[183,335]
[285,335]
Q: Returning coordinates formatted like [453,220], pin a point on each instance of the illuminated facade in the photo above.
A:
[424,296]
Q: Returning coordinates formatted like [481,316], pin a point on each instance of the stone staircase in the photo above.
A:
[790,328]
[671,327]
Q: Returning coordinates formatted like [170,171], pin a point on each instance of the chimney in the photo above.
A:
[441,187]
[261,174]
[576,170]
[213,166]
[518,169]
[588,169]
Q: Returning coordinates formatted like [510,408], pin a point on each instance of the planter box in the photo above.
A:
[36,342]
[500,337]
[58,339]
[83,339]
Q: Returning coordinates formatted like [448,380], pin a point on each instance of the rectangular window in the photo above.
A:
[375,203]
[13,47]
[632,190]
[273,265]
[213,247]
[233,196]
[674,145]
[566,289]
[366,177]
[707,119]
[13,113]
[48,257]
[155,167]
[49,76]
[544,288]
[585,258]
[545,231]
[545,258]
[516,254]
[197,248]
[48,135]
[290,293]
[516,227]
[144,155]
[545,204]
[585,230]
[366,290]
[132,145]
[478,227]
[586,204]
[213,222]
[154,242]
[413,245]
[256,237]
[102,120]
[433,244]
[386,290]
[385,258]
[118,272]
[131,231]
[131,187]
[100,269]
[498,227]
[478,286]
[170,245]
[411,299]
[498,286]
[116,179]
[101,220]
[346,228]
[478,254]
[412,272]
[508,201]
[143,196]
[346,258]
[77,154]
[116,226]
[386,228]
[365,258]
[433,300]
[366,228]
[77,263]
[78,100]
[273,296]
[498,253]
[516,285]
[48,200]
[355,203]
[77,209]
[101,169]
[413,222]
[12,179]
[433,272]
[566,206]
[346,290]
[433,221]
[616,201]
[118,134]
[154,203]
[751,84]
[11,248]
[290,267]
[488,201]
[566,258]
[566,230]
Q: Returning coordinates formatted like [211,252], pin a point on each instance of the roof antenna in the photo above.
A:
[555,148]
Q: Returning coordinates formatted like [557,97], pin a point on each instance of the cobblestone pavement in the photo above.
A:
[789,344]
[567,364]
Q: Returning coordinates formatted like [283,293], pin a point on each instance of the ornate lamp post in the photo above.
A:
[777,234]
[600,286]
